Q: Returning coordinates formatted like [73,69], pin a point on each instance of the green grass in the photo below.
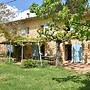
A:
[14,77]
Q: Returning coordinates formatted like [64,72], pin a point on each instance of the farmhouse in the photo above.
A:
[74,51]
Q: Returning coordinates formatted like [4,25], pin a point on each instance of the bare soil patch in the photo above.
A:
[77,66]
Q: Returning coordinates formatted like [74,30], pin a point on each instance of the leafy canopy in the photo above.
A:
[59,23]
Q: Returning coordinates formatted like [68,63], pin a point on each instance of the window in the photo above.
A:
[45,26]
[23,31]
[88,46]
[71,29]
[27,30]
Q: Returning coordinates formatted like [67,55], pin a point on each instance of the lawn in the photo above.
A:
[13,77]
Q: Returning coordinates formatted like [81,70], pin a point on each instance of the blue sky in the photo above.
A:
[23,4]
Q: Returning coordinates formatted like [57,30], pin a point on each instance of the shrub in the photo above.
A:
[30,63]
[9,60]
[45,63]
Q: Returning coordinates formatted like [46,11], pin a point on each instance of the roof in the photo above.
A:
[24,15]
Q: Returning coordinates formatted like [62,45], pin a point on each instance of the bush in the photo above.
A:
[44,63]
[9,61]
[30,63]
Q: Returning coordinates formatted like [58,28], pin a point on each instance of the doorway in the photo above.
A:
[17,52]
[68,53]
[43,50]
[35,51]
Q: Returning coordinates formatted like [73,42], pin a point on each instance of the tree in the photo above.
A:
[76,6]
[8,28]
[63,17]
[81,8]
[7,13]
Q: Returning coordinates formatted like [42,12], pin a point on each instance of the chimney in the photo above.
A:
[28,14]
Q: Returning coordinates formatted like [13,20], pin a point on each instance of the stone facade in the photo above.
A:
[50,47]
[86,52]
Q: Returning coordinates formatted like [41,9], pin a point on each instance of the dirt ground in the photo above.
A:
[77,66]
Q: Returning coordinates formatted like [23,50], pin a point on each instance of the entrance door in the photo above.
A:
[68,52]
[35,51]
[10,49]
[17,52]
[77,52]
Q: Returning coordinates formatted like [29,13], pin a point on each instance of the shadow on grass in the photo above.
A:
[84,79]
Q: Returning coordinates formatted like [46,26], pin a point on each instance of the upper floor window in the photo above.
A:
[45,26]
[88,46]
[27,30]
[71,29]
[24,30]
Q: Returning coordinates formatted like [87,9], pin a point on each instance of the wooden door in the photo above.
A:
[77,52]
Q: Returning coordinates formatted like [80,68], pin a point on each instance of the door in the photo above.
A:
[68,52]
[35,51]
[17,52]
[77,52]
[10,50]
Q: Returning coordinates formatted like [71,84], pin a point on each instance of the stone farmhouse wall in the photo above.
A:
[50,47]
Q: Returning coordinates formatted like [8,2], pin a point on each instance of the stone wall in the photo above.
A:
[86,52]
[50,47]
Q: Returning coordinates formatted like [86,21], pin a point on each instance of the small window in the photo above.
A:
[23,31]
[70,28]
[27,30]
[42,26]
[46,28]
[89,46]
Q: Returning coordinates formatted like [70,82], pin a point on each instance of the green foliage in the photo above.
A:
[76,6]
[47,9]
[60,21]
[82,30]
[62,17]
[33,7]
[64,14]
[9,60]
[30,63]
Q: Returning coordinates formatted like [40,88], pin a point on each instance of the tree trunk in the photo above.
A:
[22,53]
[10,53]
[40,53]
[58,53]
